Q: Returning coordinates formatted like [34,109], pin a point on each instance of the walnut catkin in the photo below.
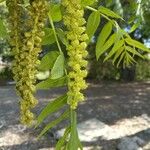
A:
[26,48]
[74,21]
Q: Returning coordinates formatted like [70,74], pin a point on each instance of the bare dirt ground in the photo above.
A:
[123,107]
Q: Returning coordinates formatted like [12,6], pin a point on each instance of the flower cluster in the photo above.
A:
[74,21]
[26,61]
[16,21]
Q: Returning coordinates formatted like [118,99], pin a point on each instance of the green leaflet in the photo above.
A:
[109,12]
[120,59]
[48,60]
[74,142]
[134,27]
[87,2]
[92,24]
[62,117]
[51,83]
[107,45]
[129,58]
[62,36]
[49,37]
[115,48]
[137,44]
[55,12]
[106,31]
[52,107]
[117,54]
[133,51]
[62,140]
[58,68]
[3,31]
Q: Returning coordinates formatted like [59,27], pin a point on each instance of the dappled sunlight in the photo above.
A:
[91,130]
[110,112]
[20,137]
[128,127]
[9,138]
[93,148]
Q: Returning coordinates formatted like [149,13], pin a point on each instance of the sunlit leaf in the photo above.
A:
[52,107]
[47,62]
[62,140]
[58,68]
[134,27]
[107,45]
[50,125]
[49,37]
[115,48]
[62,36]
[51,83]
[109,12]
[55,12]
[133,51]
[92,23]
[120,58]
[117,54]
[104,34]
[137,44]
[87,2]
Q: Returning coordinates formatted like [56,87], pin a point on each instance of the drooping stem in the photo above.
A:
[54,31]
[74,142]
[103,15]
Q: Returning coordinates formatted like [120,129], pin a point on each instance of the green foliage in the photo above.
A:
[62,36]
[109,13]
[123,50]
[100,70]
[74,143]
[49,37]
[92,23]
[3,30]
[48,60]
[113,46]
[51,83]
[143,70]
[52,107]
[106,31]
[137,44]
[58,68]
[87,2]
[62,117]
[62,141]
[55,12]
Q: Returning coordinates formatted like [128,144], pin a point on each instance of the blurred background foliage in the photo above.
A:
[136,14]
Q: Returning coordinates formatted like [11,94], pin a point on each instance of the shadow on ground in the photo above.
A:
[110,103]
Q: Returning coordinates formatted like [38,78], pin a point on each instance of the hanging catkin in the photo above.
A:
[74,21]
[26,47]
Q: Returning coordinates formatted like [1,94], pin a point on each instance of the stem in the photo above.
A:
[91,8]
[73,118]
[55,35]
[95,10]
[54,30]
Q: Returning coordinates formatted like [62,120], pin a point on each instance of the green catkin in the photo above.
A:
[15,21]
[25,63]
[74,21]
